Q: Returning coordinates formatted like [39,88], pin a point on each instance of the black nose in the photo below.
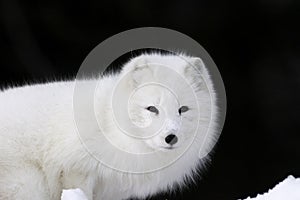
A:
[171,139]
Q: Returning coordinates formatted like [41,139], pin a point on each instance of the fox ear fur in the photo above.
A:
[195,66]
[138,71]
[196,72]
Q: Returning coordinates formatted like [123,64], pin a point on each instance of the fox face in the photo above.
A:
[163,101]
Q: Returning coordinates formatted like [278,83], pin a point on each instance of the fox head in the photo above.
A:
[165,99]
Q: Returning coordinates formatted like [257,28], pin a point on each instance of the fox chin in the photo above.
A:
[156,123]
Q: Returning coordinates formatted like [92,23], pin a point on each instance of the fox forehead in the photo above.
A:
[159,96]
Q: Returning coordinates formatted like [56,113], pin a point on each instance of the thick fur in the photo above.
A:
[41,153]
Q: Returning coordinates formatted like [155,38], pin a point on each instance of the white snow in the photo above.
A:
[73,194]
[288,189]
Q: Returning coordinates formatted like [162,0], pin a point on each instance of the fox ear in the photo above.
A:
[195,67]
[195,70]
[138,71]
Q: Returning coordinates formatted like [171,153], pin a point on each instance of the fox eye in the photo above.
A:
[183,109]
[153,109]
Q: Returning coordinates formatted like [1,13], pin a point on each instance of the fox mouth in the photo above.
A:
[169,148]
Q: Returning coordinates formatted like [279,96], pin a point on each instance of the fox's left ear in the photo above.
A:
[138,71]
[196,72]
[194,68]
[197,61]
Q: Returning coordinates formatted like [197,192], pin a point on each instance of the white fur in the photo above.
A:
[41,153]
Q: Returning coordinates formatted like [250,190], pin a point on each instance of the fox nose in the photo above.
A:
[171,139]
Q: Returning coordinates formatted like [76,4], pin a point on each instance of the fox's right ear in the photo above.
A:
[138,71]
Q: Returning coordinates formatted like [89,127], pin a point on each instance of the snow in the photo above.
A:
[288,189]
[73,194]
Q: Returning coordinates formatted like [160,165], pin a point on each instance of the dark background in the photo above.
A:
[255,44]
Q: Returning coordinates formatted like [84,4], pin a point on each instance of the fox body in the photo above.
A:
[42,153]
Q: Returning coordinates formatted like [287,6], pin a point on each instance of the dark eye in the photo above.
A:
[153,109]
[183,109]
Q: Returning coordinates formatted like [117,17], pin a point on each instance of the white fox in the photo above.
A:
[41,152]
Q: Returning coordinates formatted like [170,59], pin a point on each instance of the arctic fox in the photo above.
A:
[156,118]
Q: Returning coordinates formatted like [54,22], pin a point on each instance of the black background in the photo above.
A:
[255,44]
